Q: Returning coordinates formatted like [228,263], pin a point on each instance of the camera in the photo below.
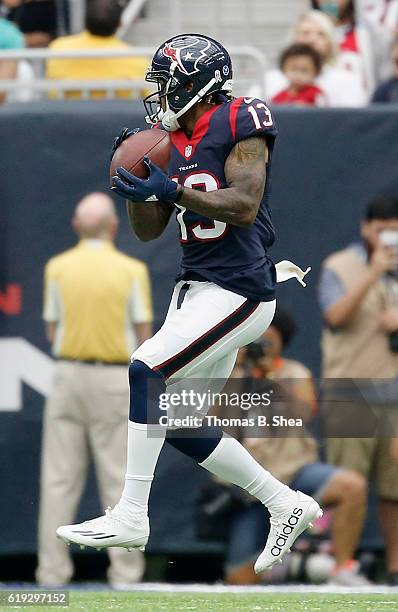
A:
[389,238]
[258,349]
[393,341]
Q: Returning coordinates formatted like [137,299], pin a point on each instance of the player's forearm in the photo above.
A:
[148,219]
[228,205]
[245,173]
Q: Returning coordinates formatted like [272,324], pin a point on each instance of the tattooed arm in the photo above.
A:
[245,173]
[237,204]
[148,219]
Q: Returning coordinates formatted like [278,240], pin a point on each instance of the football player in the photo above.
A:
[218,185]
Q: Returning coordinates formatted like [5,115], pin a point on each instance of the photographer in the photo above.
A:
[294,458]
[358,294]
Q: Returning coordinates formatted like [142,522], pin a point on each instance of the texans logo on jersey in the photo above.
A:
[187,56]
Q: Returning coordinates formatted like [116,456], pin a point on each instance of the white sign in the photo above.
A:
[21,362]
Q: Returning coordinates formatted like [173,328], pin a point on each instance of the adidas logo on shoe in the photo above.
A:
[285,532]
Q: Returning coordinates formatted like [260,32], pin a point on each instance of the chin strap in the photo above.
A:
[169,121]
[170,118]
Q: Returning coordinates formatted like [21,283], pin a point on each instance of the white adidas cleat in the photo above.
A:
[286,528]
[105,531]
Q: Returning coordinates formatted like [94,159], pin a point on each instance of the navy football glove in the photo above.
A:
[157,184]
[124,134]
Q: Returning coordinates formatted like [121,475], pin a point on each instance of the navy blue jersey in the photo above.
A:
[233,257]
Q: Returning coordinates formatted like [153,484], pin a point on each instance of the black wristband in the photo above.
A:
[180,192]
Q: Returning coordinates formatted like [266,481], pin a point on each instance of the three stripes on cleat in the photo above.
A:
[82,546]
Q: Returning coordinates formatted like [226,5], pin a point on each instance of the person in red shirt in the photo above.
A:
[357,48]
[301,64]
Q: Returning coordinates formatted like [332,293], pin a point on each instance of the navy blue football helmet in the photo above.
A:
[183,59]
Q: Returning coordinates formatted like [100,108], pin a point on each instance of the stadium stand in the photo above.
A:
[253,22]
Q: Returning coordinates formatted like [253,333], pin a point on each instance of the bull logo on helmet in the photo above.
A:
[186,54]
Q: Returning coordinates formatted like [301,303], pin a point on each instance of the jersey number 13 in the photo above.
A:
[216,229]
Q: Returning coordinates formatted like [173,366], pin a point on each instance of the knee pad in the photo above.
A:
[140,372]
[145,388]
[197,444]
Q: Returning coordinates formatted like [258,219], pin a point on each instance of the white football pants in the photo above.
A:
[201,335]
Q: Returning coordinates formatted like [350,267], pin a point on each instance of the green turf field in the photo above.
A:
[241,602]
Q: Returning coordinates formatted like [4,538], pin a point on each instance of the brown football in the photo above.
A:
[154,143]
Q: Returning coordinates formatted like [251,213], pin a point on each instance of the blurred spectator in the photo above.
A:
[388,91]
[300,64]
[341,88]
[355,42]
[97,310]
[358,296]
[383,12]
[102,22]
[296,462]
[381,19]
[37,20]
[6,6]
[10,38]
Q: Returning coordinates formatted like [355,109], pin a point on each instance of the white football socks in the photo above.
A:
[232,462]
[229,461]
[144,443]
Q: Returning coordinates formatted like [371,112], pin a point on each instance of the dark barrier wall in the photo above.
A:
[328,164]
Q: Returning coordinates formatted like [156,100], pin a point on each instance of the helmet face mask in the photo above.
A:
[169,88]
[155,102]
[187,59]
